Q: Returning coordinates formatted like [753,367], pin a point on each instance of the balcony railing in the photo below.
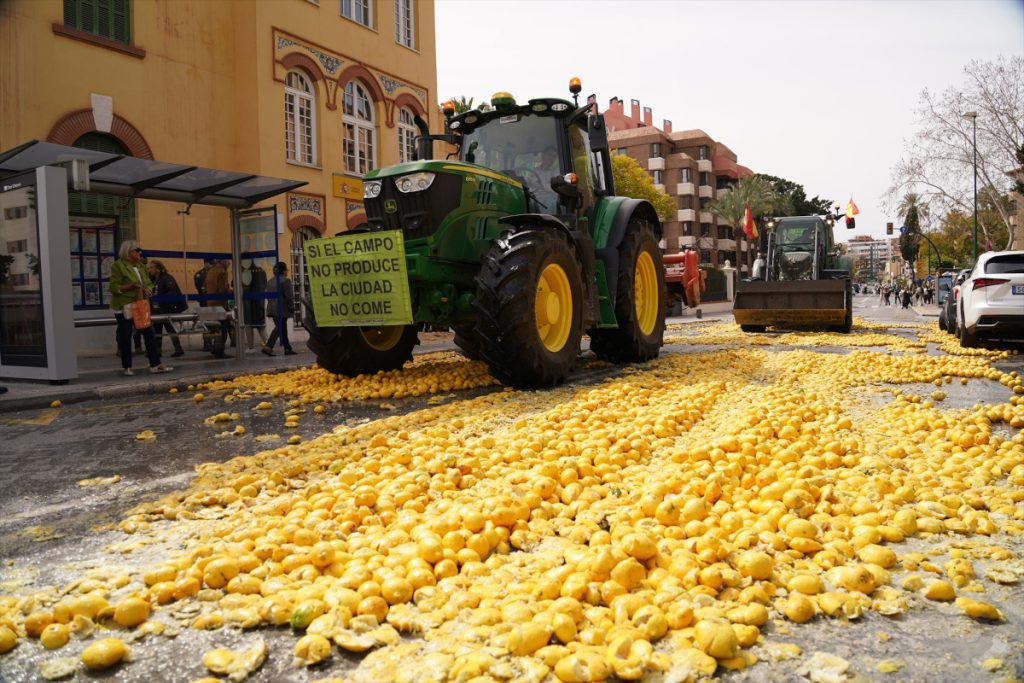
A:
[656,164]
[706,217]
[727,244]
[706,191]
[704,166]
[686,215]
[687,241]
[684,189]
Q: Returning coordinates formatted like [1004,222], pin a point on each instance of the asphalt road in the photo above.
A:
[47,520]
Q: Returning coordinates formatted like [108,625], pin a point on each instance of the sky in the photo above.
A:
[821,93]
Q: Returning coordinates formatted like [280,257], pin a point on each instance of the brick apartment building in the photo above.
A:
[693,169]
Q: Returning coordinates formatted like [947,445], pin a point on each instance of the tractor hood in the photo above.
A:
[420,196]
[417,174]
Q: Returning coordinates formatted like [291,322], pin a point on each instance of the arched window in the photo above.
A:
[406,135]
[299,143]
[359,146]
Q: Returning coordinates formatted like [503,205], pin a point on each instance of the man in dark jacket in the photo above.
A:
[164,285]
[279,308]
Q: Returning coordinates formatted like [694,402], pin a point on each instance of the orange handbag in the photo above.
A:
[141,314]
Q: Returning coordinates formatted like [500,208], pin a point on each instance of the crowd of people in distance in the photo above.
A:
[904,295]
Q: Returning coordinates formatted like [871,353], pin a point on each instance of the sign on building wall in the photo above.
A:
[307,209]
[359,279]
[348,188]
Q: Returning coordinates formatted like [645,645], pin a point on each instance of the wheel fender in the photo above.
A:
[535,220]
[609,253]
[544,221]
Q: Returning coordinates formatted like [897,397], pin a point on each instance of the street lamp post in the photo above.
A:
[973,116]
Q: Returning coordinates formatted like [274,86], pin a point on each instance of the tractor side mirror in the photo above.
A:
[565,186]
[597,133]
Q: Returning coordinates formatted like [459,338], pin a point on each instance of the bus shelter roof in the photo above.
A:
[127,176]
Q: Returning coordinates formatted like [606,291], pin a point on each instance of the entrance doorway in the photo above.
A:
[300,283]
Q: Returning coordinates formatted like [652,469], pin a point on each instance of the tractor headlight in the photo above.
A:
[371,189]
[414,182]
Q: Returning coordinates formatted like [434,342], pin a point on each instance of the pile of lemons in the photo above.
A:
[656,521]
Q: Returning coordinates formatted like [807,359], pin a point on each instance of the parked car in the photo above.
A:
[947,312]
[991,300]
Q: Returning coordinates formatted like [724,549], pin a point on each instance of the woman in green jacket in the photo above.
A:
[130,282]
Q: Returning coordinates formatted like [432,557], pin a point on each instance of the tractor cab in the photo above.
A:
[555,151]
[797,242]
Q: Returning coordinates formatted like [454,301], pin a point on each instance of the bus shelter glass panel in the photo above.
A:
[22,329]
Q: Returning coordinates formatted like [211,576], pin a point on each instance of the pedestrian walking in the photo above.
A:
[129,283]
[164,285]
[279,308]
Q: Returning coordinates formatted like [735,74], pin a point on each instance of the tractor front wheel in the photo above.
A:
[352,351]
[529,306]
[640,303]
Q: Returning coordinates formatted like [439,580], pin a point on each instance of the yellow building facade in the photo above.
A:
[312,91]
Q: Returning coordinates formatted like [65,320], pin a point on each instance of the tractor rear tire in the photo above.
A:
[640,301]
[352,351]
[529,307]
[465,339]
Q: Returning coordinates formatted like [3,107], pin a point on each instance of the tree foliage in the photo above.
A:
[792,198]
[462,105]
[938,162]
[631,180]
[910,239]
[756,192]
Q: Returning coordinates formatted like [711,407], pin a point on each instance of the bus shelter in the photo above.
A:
[36,308]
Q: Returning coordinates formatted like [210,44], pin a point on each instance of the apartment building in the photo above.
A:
[320,91]
[874,260]
[692,168]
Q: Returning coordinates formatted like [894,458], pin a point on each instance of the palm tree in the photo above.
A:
[757,193]
[462,105]
[912,200]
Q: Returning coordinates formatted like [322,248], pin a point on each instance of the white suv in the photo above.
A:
[991,300]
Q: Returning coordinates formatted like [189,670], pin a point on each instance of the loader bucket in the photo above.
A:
[796,303]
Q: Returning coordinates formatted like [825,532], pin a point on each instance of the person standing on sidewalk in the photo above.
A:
[164,284]
[279,308]
[129,282]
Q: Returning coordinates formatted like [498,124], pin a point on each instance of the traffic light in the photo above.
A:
[888,228]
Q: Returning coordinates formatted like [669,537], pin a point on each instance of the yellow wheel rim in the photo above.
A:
[645,293]
[553,308]
[382,338]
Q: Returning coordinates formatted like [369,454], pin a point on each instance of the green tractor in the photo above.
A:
[515,242]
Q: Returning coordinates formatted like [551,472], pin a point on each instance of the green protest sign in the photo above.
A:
[359,279]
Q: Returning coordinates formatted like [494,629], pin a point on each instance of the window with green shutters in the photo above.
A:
[106,18]
[95,204]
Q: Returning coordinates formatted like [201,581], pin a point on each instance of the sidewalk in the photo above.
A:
[101,377]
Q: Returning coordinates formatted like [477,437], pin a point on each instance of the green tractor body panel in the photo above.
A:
[540,171]
[803,281]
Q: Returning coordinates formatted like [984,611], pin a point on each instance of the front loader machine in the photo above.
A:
[518,245]
[801,282]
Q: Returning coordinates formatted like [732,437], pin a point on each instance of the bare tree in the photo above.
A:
[937,164]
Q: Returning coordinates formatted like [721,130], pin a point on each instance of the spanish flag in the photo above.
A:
[749,226]
[851,211]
